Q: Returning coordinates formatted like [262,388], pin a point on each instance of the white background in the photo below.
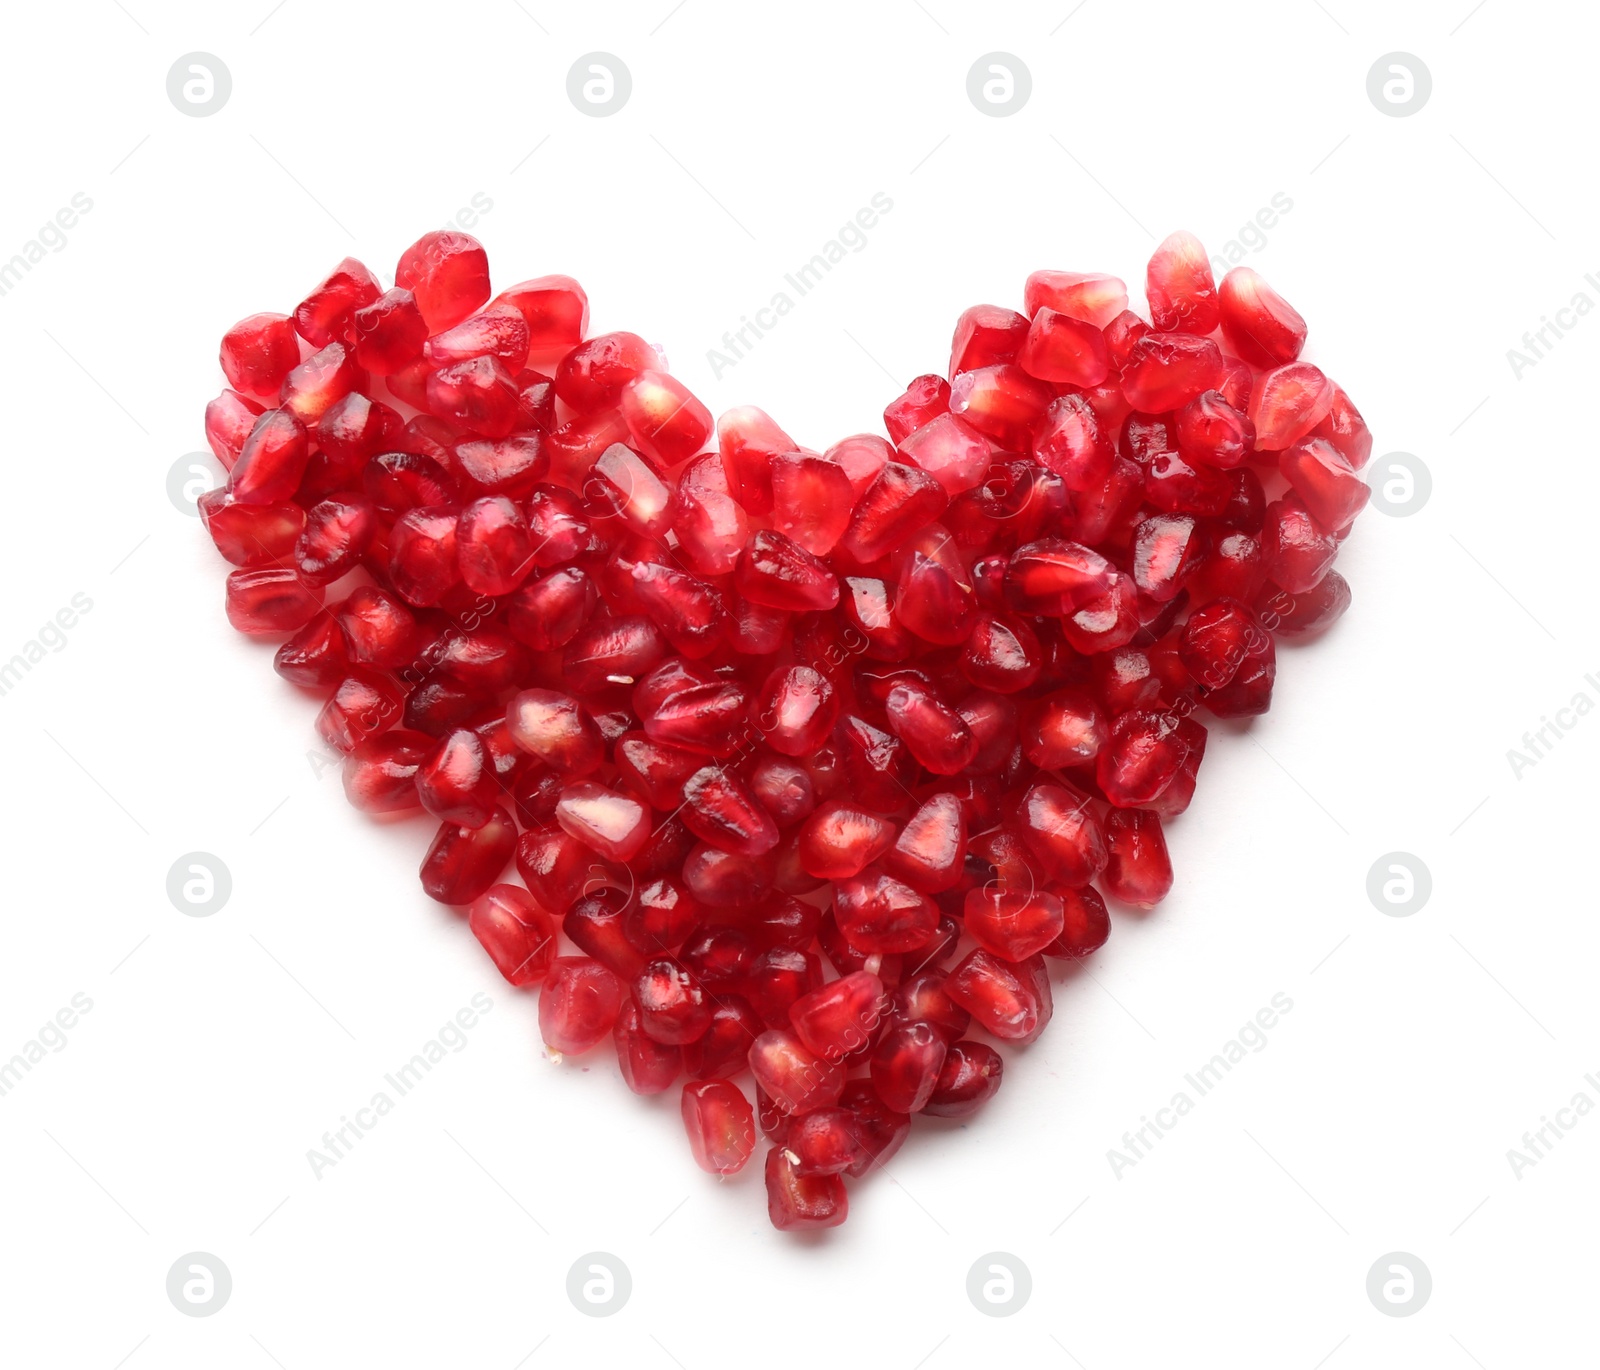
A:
[218,1050]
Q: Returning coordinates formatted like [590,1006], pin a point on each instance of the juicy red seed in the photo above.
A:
[1069,440]
[824,1142]
[614,824]
[1217,640]
[1141,755]
[780,574]
[500,333]
[271,599]
[1063,832]
[878,914]
[457,783]
[1344,428]
[930,849]
[1297,550]
[1002,402]
[969,1078]
[1166,370]
[796,1079]
[1094,298]
[906,1065]
[1064,350]
[1307,612]
[477,394]
[803,1203]
[811,500]
[881,1130]
[1013,924]
[591,376]
[900,500]
[985,335]
[518,935]
[578,1004]
[933,732]
[1010,1001]
[379,629]
[1211,432]
[953,452]
[327,314]
[672,1005]
[924,999]
[555,308]
[252,534]
[464,862]
[778,977]
[389,333]
[721,1125]
[380,773]
[1139,871]
[923,401]
[1056,577]
[647,1066]
[1066,728]
[862,455]
[719,808]
[1085,924]
[842,839]
[1288,403]
[258,353]
[272,460]
[668,424]
[724,1048]
[547,613]
[1325,482]
[1259,324]
[493,550]
[840,1018]
[321,381]
[229,419]
[335,538]
[1180,287]
[362,705]
[422,556]
[784,789]
[448,272]
[557,729]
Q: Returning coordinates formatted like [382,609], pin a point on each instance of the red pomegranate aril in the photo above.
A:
[721,1125]
[720,809]
[590,377]
[934,598]
[824,1142]
[1056,577]
[924,999]
[456,783]
[1166,550]
[389,333]
[327,314]
[400,482]
[906,1064]
[1343,427]
[841,1017]
[777,978]
[933,732]
[796,1079]
[1001,654]
[555,309]
[880,1130]
[1297,550]
[503,466]
[1094,298]
[320,381]
[968,1079]
[1063,832]
[315,658]
[518,935]
[1211,432]
[803,1203]
[270,599]
[557,729]
[1139,871]
[661,915]
[724,1048]
[1064,350]
[1217,639]
[1180,288]
[1085,924]
[1065,728]
[668,424]
[493,551]
[647,1066]
[1070,441]
[1166,370]
[985,335]
[1259,324]
[1010,1001]
[558,869]
[726,879]
[929,852]
[379,773]
[484,660]
[923,401]
[776,572]
[900,500]
[1234,567]
[464,862]
[363,704]
[378,628]
[841,839]
[711,526]
[784,788]
[258,352]
[1141,755]
[878,914]
[336,536]
[596,923]
[229,419]
[1307,612]
[953,452]
[547,613]
[272,460]
[867,606]
[500,333]
[811,500]
[672,1005]
[251,534]
[448,272]
[1012,924]
[614,824]
[423,566]
[1002,402]
[1325,482]
[578,1004]
[478,395]
[1287,403]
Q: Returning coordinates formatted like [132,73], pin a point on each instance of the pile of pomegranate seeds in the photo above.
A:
[747,716]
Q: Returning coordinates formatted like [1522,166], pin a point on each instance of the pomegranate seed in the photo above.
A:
[1093,298]
[1343,427]
[1259,324]
[1166,370]
[1010,1001]
[501,333]
[824,1142]
[878,914]
[1180,287]
[668,424]
[379,773]
[1309,611]
[1288,403]
[840,1018]
[464,862]
[794,1078]
[1085,924]
[923,401]
[1069,442]
[724,1048]
[672,1005]
[448,272]
[327,314]
[272,460]
[906,1065]
[721,1126]
[720,809]
[1063,832]
[811,500]
[314,658]
[954,453]
[229,419]
[933,732]
[555,309]
[270,599]
[258,353]
[986,334]
[804,1203]
[548,612]
[1332,492]
[647,1066]
[969,1078]
[1002,402]
[1211,432]
[555,728]
[423,564]
[1064,350]
[776,572]
[900,500]
[1139,871]
[515,931]
[1297,550]
[389,332]
[456,783]
[578,1004]
[615,825]
[252,534]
